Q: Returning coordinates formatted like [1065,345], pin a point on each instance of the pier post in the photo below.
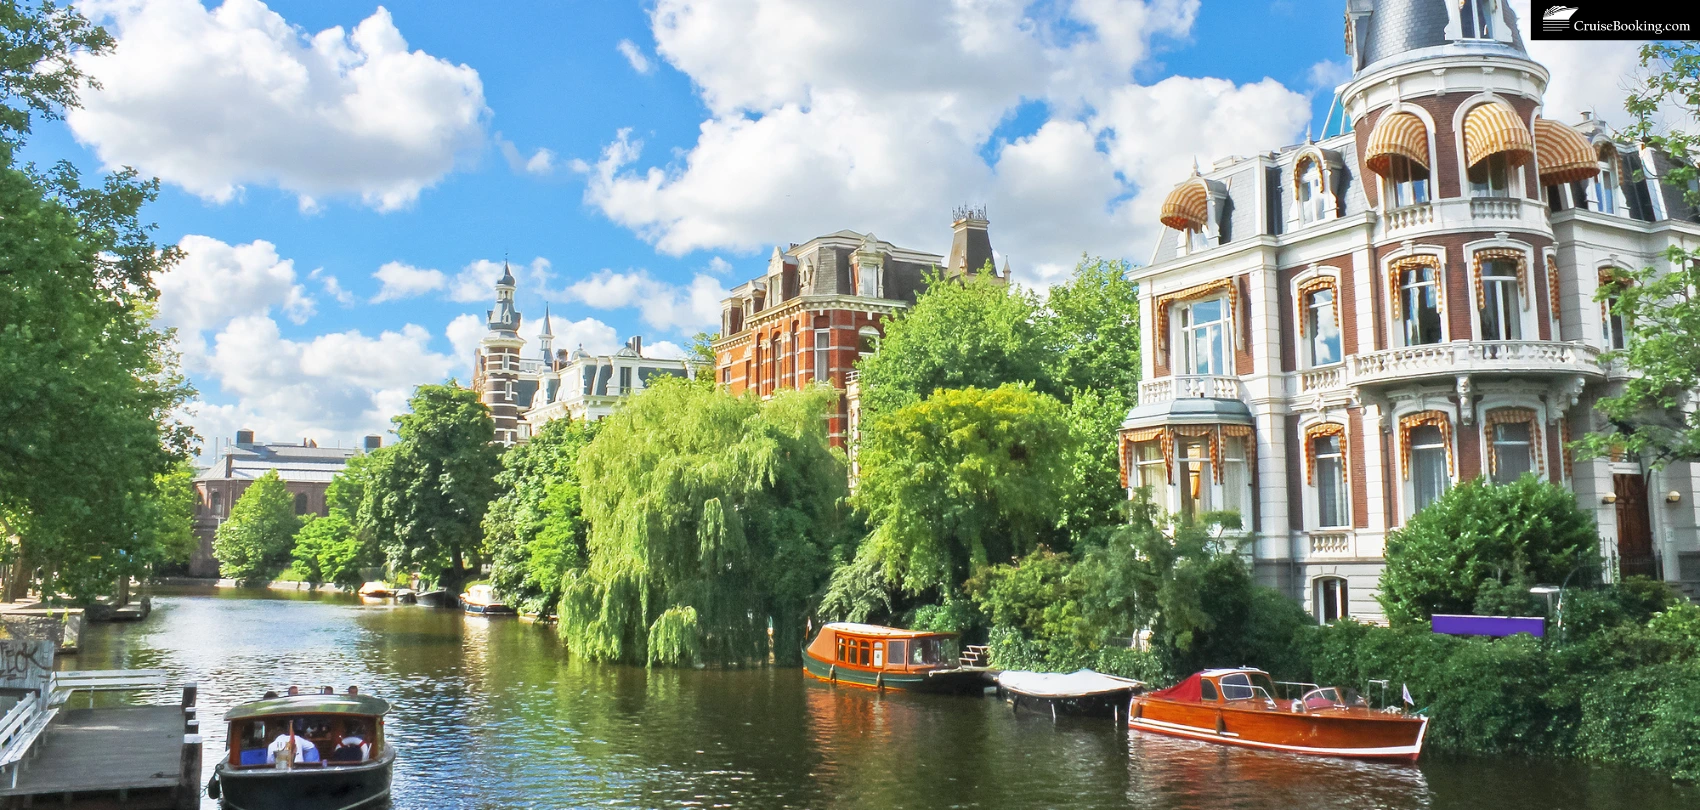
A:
[190,690]
[189,777]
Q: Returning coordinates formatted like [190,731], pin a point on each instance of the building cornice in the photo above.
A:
[876,306]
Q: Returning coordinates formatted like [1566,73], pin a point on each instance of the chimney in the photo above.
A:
[373,443]
[636,344]
[244,437]
[970,245]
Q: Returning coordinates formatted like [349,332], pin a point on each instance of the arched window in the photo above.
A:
[1204,334]
[1513,451]
[1499,305]
[1322,327]
[1477,18]
[1419,305]
[1407,181]
[1430,460]
[218,503]
[1312,202]
[1491,177]
[1331,599]
[1330,472]
[300,503]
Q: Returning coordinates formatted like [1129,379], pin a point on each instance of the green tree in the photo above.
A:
[168,522]
[974,333]
[328,549]
[701,348]
[253,545]
[713,518]
[426,495]
[1479,537]
[86,425]
[535,529]
[964,479]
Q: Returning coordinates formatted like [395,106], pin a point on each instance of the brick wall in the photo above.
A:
[1356,467]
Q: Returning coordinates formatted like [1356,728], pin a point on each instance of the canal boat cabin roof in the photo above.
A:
[877,631]
[361,705]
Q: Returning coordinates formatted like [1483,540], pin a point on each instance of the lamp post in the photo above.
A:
[1547,591]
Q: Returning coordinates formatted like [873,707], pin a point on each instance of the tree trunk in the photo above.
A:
[123,590]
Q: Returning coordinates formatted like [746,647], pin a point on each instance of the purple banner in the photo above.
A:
[1496,626]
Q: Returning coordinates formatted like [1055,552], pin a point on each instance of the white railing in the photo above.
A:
[1330,542]
[1452,359]
[1322,379]
[1188,386]
[1410,216]
[1495,207]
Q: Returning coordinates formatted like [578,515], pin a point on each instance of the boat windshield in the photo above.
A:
[319,740]
[1326,697]
[930,651]
[1247,686]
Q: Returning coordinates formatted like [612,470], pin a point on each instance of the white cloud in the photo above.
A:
[541,162]
[401,280]
[216,282]
[797,92]
[634,56]
[464,333]
[215,100]
[331,388]
[664,306]
[332,287]
[664,349]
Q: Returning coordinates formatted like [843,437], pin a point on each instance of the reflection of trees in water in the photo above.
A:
[1165,772]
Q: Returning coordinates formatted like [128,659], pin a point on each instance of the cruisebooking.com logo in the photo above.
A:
[1604,21]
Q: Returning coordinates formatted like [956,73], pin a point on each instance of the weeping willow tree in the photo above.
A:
[712,518]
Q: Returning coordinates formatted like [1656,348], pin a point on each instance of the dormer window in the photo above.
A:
[1602,192]
[1477,18]
[1491,177]
[1407,181]
[1312,201]
[867,281]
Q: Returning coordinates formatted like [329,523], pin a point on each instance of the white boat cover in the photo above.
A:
[1079,683]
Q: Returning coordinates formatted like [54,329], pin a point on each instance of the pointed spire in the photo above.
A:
[1195,171]
[547,332]
[1308,138]
[507,279]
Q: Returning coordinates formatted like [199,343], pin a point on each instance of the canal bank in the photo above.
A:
[488,714]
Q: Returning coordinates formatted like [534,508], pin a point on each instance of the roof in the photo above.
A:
[856,628]
[1394,28]
[310,704]
[1189,411]
[292,462]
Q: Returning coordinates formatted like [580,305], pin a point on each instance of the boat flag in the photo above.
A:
[1407,691]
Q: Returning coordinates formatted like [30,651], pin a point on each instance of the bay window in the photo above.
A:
[1236,478]
[1204,333]
[1499,304]
[1195,481]
[1153,475]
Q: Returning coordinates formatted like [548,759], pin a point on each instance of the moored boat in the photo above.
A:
[481,600]
[305,752]
[377,590]
[1239,707]
[878,657]
[438,598]
[1082,692]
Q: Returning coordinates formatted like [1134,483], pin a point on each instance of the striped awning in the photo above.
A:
[1401,134]
[1494,129]
[1187,208]
[1565,156]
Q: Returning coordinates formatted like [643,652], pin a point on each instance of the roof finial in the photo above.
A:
[1308,138]
[547,332]
[1195,171]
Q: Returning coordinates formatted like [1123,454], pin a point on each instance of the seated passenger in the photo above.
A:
[353,747]
[291,747]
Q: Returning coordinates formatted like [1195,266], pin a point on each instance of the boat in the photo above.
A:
[480,600]
[377,590]
[332,775]
[1239,707]
[437,598]
[1082,692]
[406,596]
[876,657]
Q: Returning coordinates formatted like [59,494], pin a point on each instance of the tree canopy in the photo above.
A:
[424,497]
[253,545]
[535,529]
[328,549]
[712,518]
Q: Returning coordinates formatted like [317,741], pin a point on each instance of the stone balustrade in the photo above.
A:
[1335,543]
[1188,386]
[1411,216]
[1474,357]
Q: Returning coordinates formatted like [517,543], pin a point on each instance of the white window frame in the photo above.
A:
[1339,589]
[1187,327]
[1440,306]
[1207,497]
[823,353]
[1313,201]
[1529,446]
[1511,189]
[1312,319]
[1503,290]
[1343,492]
[1417,190]
[1604,187]
[1156,466]
[1411,506]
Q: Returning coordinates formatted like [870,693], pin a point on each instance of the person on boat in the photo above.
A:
[291,746]
[294,690]
[327,691]
[353,747]
[353,690]
[271,694]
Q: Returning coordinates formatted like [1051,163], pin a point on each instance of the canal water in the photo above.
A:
[490,714]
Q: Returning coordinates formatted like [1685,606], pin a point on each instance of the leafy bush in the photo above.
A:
[1516,534]
[253,545]
[327,549]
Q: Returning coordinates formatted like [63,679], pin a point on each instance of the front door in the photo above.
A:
[1634,528]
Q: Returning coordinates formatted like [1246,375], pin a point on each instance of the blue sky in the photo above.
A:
[680,140]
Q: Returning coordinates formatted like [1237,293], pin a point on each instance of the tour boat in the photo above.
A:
[377,590]
[888,658]
[336,772]
[1238,707]
[480,600]
[1082,692]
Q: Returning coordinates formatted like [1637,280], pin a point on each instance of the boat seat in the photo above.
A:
[346,753]
[253,756]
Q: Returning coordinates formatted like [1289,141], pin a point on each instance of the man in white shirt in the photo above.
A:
[289,747]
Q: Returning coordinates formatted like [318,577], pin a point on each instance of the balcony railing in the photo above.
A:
[1494,207]
[1188,386]
[1410,216]
[1330,543]
[1322,379]
[1477,357]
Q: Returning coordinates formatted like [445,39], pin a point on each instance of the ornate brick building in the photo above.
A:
[822,304]
[1340,330]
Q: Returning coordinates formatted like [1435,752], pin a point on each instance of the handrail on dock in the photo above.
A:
[24,723]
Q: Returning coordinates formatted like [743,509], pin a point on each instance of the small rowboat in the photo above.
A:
[377,590]
[868,655]
[1083,692]
[336,758]
[1238,707]
[480,600]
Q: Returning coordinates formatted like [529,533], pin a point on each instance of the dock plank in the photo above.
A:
[136,747]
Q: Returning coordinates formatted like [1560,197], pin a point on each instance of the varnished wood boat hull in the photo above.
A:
[965,680]
[339,787]
[1354,736]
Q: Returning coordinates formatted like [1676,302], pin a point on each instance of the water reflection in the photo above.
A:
[490,714]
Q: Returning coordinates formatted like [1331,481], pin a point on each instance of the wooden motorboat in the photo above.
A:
[1239,707]
[335,759]
[438,598]
[878,657]
[480,600]
[1082,692]
[377,590]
